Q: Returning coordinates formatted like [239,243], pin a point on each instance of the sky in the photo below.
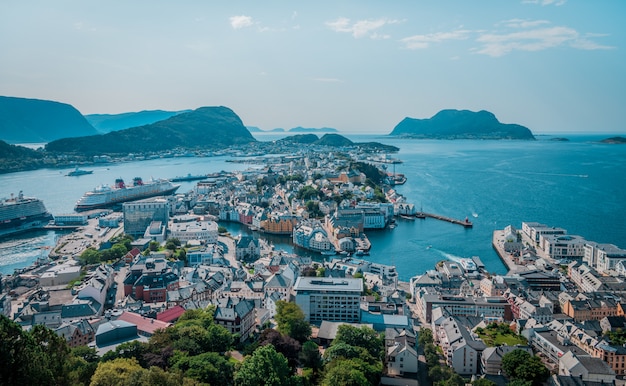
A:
[554,66]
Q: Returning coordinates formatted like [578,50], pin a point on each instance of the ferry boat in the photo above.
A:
[105,196]
[18,214]
[79,172]
[189,177]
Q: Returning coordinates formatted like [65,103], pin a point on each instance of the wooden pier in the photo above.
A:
[465,223]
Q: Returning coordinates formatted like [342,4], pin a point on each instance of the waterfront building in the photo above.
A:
[71,219]
[604,257]
[562,247]
[331,299]
[534,230]
[111,220]
[138,215]
[311,235]
[205,231]
[280,224]
[247,247]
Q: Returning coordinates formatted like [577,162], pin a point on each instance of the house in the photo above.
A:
[401,359]
[247,248]
[236,315]
[586,367]
[491,359]
[76,334]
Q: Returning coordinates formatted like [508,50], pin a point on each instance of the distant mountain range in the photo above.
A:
[203,128]
[106,123]
[25,120]
[461,124]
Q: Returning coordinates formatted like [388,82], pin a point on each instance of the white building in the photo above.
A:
[331,299]
[194,230]
[603,257]
[60,274]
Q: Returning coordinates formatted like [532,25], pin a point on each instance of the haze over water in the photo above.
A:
[577,185]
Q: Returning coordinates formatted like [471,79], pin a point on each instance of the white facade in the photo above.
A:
[195,230]
[331,299]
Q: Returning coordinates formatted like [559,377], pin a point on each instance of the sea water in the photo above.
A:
[579,185]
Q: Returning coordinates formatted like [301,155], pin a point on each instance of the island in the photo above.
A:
[614,140]
[460,124]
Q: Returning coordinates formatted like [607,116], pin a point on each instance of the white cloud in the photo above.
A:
[361,28]
[534,39]
[417,42]
[521,23]
[241,21]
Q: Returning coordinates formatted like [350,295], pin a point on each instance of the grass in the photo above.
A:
[496,337]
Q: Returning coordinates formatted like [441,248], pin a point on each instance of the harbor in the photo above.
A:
[465,223]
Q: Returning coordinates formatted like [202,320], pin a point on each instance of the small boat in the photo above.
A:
[407,217]
[328,253]
[79,172]
[189,177]
[391,226]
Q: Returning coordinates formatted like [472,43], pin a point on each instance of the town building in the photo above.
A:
[331,299]
[139,214]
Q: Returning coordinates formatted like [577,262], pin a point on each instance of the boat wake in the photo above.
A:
[448,256]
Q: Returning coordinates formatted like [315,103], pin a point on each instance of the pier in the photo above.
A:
[465,223]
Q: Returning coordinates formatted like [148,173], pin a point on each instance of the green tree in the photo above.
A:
[519,364]
[90,256]
[265,367]
[310,355]
[154,246]
[483,382]
[364,337]
[172,244]
[345,373]
[53,352]
[210,367]
[291,322]
[115,372]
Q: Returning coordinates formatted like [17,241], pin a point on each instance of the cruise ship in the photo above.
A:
[18,214]
[105,196]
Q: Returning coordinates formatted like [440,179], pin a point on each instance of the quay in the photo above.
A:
[497,242]
[465,223]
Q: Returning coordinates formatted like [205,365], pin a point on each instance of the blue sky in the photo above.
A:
[358,66]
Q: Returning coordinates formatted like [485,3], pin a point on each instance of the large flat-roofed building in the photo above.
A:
[138,215]
[331,299]
[205,231]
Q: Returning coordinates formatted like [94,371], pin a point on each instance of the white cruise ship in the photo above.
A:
[106,196]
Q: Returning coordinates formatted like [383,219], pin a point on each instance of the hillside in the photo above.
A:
[15,158]
[106,123]
[33,120]
[614,140]
[461,124]
[335,140]
[203,128]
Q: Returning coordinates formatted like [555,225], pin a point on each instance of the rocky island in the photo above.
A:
[461,124]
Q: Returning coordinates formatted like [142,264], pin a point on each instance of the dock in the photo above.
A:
[465,223]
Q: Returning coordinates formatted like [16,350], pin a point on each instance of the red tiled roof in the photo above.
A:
[171,314]
[147,325]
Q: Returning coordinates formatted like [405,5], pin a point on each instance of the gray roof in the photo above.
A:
[329,284]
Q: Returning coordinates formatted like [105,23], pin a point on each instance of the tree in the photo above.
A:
[483,382]
[290,320]
[53,352]
[425,336]
[265,367]
[346,351]
[310,355]
[172,244]
[115,372]
[89,256]
[283,344]
[343,372]
[519,364]
[210,367]
[154,246]
[364,337]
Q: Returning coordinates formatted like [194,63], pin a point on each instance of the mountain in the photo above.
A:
[203,128]
[106,123]
[461,124]
[25,120]
[334,140]
[312,130]
[254,129]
